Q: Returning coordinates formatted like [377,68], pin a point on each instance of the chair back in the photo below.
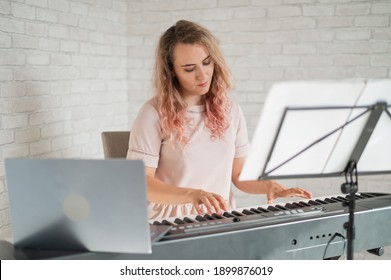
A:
[115,143]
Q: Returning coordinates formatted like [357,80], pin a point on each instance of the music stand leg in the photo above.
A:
[350,187]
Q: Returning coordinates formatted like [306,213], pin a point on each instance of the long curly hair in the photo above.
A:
[170,104]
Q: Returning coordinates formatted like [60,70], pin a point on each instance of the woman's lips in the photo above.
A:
[203,84]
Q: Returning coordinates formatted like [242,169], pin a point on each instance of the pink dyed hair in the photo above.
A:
[171,106]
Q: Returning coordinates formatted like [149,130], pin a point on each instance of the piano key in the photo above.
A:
[200,219]
[167,223]
[255,211]
[338,199]
[357,197]
[209,217]
[217,216]
[313,202]
[367,195]
[157,223]
[290,206]
[343,198]
[320,201]
[179,221]
[272,208]
[236,213]
[247,212]
[263,210]
[297,205]
[360,196]
[281,207]
[330,200]
[305,204]
[228,215]
[189,220]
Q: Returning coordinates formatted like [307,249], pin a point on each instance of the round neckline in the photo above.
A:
[195,108]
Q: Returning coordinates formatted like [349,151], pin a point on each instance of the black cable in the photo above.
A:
[331,239]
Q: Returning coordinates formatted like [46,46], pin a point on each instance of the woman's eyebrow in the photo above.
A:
[187,65]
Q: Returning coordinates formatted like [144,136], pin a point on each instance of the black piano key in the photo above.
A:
[338,199]
[305,204]
[188,220]
[179,221]
[247,212]
[167,223]
[236,213]
[367,195]
[256,211]
[344,199]
[217,216]
[320,201]
[356,196]
[228,215]
[290,206]
[330,200]
[360,196]
[313,202]
[157,223]
[200,219]
[297,205]
[281,207]
[263,210]
[272,208]
[209,217]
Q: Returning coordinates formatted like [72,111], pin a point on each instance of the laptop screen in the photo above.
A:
[79,204]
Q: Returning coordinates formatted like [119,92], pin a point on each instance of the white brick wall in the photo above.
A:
[70,69]
[63,79]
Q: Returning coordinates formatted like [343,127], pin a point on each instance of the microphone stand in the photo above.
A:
[350,187]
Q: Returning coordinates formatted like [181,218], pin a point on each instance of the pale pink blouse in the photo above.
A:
[203,163]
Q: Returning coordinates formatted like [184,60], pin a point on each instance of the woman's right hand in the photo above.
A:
[214,203]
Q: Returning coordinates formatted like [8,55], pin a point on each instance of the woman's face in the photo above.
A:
[193,68]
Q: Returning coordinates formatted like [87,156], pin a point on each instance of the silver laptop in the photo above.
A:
[79,204]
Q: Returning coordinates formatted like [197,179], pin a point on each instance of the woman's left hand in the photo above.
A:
[277,190]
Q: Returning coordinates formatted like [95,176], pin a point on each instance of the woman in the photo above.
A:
[191,136]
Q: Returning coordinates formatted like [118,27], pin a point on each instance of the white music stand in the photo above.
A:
[323,129]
